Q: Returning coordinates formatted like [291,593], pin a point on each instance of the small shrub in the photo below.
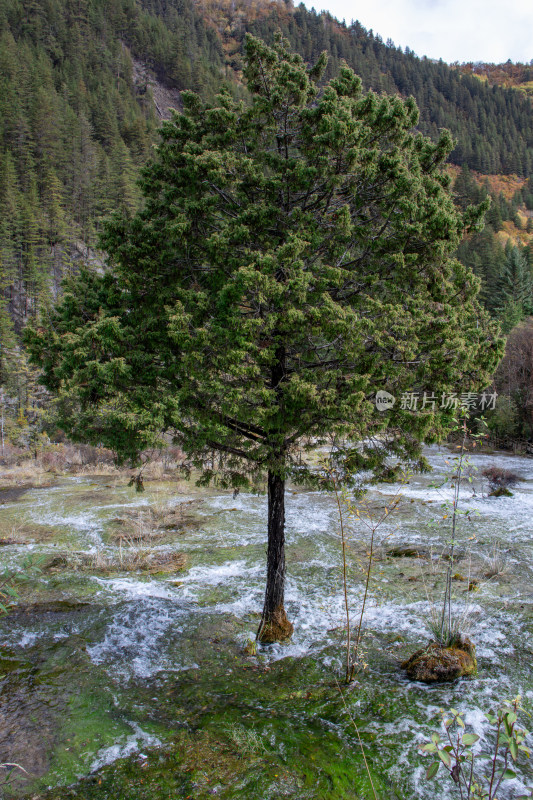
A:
[52,457]
[478,775]
[500,478]
[11,455]
[94,456]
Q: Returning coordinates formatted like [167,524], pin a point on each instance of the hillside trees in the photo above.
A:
[291,258]
[77,118]
[491,125]
[514,381]
[506,272]
[76,123]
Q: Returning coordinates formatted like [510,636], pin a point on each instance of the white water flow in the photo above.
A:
[225,574]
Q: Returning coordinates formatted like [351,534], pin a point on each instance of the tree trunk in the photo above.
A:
[274,624]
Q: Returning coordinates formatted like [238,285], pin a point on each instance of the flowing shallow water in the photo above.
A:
[147,672]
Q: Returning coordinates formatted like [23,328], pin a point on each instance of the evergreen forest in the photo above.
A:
[84,85]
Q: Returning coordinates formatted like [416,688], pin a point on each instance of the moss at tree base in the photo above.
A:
[437,664]
[275,628]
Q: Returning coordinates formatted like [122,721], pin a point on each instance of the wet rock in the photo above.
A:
[30,716]
[502,491]
[437,664]
[55,607]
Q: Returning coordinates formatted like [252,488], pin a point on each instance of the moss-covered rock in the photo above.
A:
[437,664]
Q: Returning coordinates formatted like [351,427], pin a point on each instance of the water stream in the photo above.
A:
[146,672]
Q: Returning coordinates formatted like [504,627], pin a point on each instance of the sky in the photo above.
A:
[454,30]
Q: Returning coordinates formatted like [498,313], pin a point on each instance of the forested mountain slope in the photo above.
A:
[84,83]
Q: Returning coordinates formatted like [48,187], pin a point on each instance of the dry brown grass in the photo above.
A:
[133,559]
[11,531]
[123,559]
[497,563]
[135,550]
[100,470]
[17,463]
[28,472]
[152,523]
[24,533]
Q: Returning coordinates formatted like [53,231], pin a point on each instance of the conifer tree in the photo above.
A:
[515,289]
[292,258]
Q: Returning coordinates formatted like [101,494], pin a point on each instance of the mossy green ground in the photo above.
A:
[203,718]
[150,673]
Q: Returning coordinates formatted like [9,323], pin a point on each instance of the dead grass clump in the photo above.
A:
[500,478]
[14,534]
[24,533]
[132,559]
[125,559]
[170,515]
[107,470]
[497,563]
[58,562]
[135,527]
[27,474]
[157,562]
[152,523]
